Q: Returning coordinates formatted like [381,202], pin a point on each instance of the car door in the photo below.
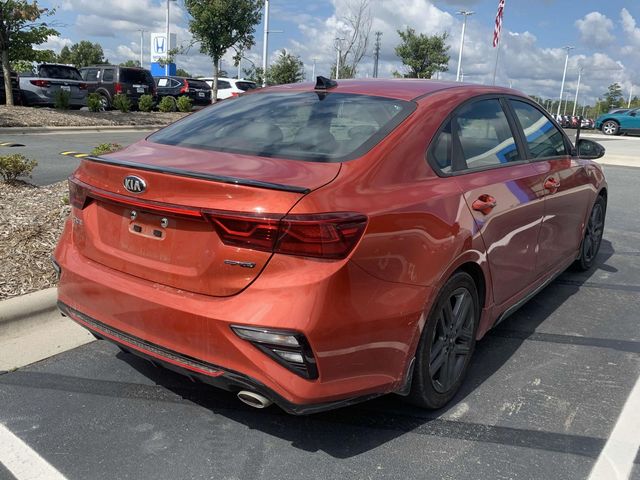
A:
[500,187]
[565,183]
[631,121]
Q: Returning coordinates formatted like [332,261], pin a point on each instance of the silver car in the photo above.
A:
[41,89]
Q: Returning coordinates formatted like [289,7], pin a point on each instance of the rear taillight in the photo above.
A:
[82,86]
[185,87]
[117,88]
[41,83]
[77,194]
[234,94]
[325,235]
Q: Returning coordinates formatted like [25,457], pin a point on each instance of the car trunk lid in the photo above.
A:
[187,228]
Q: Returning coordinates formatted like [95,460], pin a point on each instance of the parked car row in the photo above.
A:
[42,87]
[572,121]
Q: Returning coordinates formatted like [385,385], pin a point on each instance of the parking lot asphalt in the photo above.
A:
[544,392]
[45,149]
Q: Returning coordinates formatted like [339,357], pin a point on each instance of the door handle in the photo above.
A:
[551,184]
[484,203]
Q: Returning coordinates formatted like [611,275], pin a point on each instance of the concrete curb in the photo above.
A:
[25,306]
[106,128]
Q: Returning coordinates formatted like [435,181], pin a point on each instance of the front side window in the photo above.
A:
[90,74]
[320,127]
[478,136]
[542,136]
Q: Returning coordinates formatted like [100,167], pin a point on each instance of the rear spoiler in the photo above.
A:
[202,176]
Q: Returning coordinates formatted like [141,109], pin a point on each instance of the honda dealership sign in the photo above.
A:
[160,46]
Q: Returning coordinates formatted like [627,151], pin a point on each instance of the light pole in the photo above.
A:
[630,94]
[564,75]
[465,14]
[575,102]
[313,71]
[265,43]
[566,102]
[141,30]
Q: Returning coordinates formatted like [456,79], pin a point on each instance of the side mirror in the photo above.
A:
[589,149]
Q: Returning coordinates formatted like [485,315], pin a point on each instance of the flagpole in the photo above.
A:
[497,34]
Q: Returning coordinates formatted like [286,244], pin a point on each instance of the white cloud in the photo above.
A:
[595,29]
[54,43]
[629,27]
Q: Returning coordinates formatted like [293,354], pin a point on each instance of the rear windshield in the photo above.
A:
[59,71]
[320,127]
[135,75]
[244,86]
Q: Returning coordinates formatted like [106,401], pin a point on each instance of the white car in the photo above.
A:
[230,87]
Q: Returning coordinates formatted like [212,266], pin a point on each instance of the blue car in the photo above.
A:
[618,123]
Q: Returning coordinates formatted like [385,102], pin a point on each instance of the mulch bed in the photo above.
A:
[49,117]
[31,220]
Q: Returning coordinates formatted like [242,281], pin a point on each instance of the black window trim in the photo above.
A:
[568,144]
[513,126]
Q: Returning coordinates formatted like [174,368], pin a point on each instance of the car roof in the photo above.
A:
[400,88]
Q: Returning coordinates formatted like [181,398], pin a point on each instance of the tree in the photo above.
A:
[82,54]
[181,72]
[20,30]
[423,55]
[131,63]
[254,74]
[613,97]
[22,66]
[355,41]
[220,25]
[287,68]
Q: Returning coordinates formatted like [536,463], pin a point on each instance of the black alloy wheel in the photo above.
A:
[447,343]
[592,235]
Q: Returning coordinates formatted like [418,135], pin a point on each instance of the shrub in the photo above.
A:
[94,103]
[185,104]
[121,102]
[61,100]
[145,103]
[106,148]
[167,104]
[14,166]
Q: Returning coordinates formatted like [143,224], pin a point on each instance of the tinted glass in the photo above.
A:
[193,83]
[59,71]
[223,84]
[244,86]
[543,138]
[134,75]
[484,137]
[107,75]
[303,126]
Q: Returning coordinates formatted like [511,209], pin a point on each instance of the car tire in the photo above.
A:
[105,104]
[590,245]
[447,343]
[610,127]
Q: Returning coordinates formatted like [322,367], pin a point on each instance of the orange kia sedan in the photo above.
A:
[316,245]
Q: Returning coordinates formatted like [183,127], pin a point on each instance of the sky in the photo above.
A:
[605,36]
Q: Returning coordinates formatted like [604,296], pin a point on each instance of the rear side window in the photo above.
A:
[193,83]
[321,127]
[223,84]
[59,71]
[107,75]
[542,136]
[478,136]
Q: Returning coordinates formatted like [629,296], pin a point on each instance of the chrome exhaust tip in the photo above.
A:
[253,399]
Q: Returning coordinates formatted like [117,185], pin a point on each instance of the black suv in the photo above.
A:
[171,86]
[109,80]
[15,88]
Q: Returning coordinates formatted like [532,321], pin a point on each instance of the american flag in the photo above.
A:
[498,27]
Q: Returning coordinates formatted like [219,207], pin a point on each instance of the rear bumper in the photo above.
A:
[362,330]
[216,376]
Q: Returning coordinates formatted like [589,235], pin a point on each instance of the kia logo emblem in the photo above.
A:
[135,184]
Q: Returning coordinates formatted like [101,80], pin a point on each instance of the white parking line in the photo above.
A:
[616,459]
[23,462]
